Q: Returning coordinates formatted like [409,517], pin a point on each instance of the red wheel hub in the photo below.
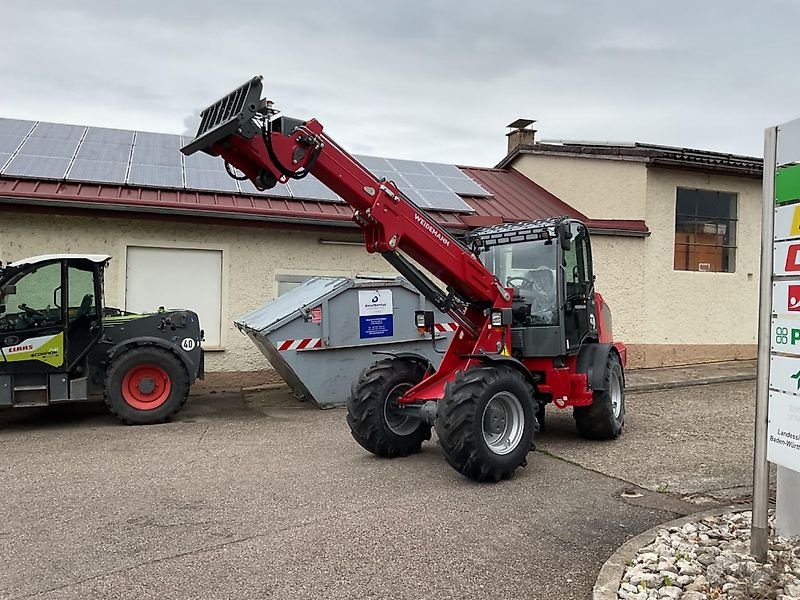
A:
[146,387]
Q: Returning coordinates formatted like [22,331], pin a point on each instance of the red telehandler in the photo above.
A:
[531,328]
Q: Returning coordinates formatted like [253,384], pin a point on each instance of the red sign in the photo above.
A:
[793,301]
[316,315]
[793,258]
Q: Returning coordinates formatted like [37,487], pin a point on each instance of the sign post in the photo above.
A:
[778,382]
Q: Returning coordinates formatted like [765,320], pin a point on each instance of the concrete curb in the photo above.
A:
[610,576]
[668,385]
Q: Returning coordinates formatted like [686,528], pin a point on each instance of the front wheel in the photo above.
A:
[375,420]
[146,385]
[604,417]
[486,422]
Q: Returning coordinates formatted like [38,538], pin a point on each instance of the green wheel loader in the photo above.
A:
[59,343]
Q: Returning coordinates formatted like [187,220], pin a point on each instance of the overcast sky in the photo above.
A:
[432,80]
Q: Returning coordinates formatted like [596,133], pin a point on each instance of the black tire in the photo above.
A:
[598,421]
[462,418]
[127,408]
[369,414]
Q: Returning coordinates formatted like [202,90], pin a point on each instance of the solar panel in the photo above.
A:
[447,201]
[205,179]
[373,162]
[15,126]
[104,152]
[449,180]
[443,170]
[414,196]
[103,135]
[311,188]
[158,140]
[155,155]
[399,180]
[52,147]
[156,175]
[103,155]
[407,166]
[201,160]
[97,171]
[463,186]
[23,165]
[425,182]
[9,143]
[58,131]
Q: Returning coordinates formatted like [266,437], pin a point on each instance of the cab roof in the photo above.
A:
[95,258]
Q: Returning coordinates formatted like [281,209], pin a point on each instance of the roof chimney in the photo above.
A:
[521,134]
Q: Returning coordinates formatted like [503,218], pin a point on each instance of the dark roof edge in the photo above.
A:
[652,154]
[193,212]
[618,232]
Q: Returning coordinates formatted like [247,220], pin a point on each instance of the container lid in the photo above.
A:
[290,305]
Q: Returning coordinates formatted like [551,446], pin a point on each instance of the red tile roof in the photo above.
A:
[514,198]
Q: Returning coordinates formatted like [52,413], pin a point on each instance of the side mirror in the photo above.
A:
[565,236]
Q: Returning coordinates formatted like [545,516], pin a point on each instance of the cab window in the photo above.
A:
[529,268]
[31,300]
[81,293]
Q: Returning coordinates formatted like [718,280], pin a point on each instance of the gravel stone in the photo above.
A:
[648,557]
[670,591]
[710,559]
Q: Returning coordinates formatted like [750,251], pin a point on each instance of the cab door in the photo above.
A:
[580,323]
[32,319]
[84,308]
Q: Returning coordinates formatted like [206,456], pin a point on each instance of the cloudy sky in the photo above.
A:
[422,80]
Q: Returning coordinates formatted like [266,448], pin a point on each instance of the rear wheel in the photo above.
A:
[486,422]
[146,385]
[604,418]
[372,413]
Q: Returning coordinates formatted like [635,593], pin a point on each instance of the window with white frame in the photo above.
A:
[287,283]
[177,278]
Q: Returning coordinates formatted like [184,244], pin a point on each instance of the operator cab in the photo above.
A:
[50,317]
[548,265]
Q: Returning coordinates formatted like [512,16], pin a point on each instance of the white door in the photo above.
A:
[177,278]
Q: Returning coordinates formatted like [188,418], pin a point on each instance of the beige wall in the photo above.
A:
[619,267]
[667,316]
[597,188]
[685,307]
[252,257]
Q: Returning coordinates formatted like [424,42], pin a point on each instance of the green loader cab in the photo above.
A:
[59,343]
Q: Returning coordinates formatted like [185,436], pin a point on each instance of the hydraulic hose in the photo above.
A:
[266,135]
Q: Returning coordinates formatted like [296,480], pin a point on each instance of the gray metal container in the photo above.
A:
[322,334]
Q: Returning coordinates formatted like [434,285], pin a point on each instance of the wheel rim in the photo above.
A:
[146,387]
[398,424]
[616,394]
[503,423]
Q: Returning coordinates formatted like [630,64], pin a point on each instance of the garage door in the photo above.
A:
[177,278]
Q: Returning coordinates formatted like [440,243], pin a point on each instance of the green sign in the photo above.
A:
[787,184]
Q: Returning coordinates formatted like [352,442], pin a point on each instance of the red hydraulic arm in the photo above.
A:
[244,131]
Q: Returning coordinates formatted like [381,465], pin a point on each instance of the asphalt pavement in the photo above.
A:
[266,498]
[694,442]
